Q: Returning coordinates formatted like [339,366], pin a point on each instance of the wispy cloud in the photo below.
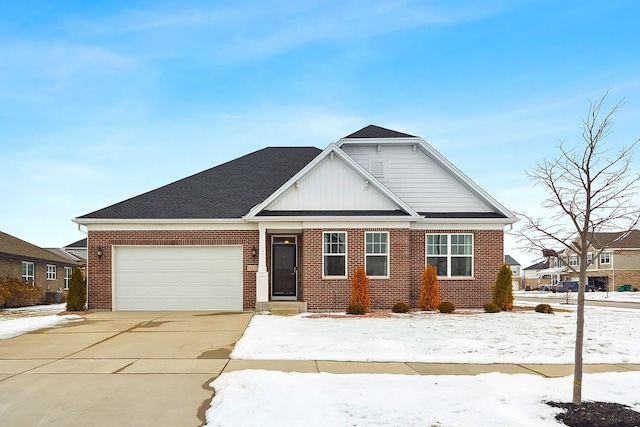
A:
[249,30]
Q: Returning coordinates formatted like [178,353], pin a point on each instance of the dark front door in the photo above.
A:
[284,271]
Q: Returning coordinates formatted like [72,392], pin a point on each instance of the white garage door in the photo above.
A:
[177,278]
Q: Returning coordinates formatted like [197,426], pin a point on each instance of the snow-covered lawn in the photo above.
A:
[589,296]
[17,321]
[264,398]
[461,337]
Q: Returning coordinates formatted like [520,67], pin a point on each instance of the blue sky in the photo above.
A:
[101,101]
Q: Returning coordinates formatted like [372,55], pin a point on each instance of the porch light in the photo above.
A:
[99,253]
[253,252]
[286,242]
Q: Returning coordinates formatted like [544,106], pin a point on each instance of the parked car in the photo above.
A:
[571,286]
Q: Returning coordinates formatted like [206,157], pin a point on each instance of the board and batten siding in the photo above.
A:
[332,185]
[418,180]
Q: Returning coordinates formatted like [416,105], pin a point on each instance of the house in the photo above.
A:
[78,248]
[614,261]
[538,274]
[33,264]
[80,262]
[515,271]
[288,225]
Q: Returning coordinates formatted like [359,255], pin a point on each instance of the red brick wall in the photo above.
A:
[488,248]
[99,279]
[322,293]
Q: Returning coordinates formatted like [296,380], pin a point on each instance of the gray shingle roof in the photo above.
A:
[12,247]
[229,190]
[82,243]
[508,259]
[373,131]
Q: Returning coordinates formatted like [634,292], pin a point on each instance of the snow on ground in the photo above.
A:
[267,398]
[17,321]
[461,337]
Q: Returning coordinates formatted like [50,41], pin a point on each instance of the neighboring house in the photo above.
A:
[78,248]
[79,261]
[288,225]
[618,264]
[515,271]
[537,274]
[33,264]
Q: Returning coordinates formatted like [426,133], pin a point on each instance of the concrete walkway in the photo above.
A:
[414,368]
[154,369]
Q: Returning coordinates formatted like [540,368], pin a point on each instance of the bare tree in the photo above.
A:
[590,190]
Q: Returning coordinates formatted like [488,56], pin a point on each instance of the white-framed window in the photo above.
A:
[514,270]
[589,258]
[605,258]
[334,254]
[68,271]
[451,254]
[51,272]
[556,263]
[573,260]
[376,254]
[27,271]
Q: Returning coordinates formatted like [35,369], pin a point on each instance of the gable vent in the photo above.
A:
[378,167]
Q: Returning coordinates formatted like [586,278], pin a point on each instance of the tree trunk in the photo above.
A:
[577,372]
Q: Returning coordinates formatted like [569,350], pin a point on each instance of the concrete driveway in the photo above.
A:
[117,369]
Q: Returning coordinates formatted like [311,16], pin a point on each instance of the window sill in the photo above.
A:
[334,277]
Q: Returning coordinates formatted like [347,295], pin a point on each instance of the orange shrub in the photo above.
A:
[360,288]
[429,292]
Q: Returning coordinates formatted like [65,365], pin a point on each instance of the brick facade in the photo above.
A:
[406,264]
[13,268]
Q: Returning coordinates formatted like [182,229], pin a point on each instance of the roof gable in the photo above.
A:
[424,178]
[229,190]
[347,189]
[332,185]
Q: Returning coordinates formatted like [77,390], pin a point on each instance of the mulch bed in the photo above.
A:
[597,414]
[79,313]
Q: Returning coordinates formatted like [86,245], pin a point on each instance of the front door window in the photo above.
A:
[285,270]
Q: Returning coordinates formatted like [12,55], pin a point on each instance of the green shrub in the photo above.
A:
[446,307]
[356,309]
[491,308]
[16,293]
[400,307]
[503,289]
[527,288]
[544,308]
[77,295]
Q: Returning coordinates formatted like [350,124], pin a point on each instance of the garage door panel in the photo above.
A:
[178,278]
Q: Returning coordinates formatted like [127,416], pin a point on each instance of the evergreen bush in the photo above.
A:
[446,307]
[400,307]
[502,289]
[77,294]
[544,308]
[429,292]
[491,308]
[357,309]
[360,288]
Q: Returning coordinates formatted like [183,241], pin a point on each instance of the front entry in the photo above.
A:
[284,271]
